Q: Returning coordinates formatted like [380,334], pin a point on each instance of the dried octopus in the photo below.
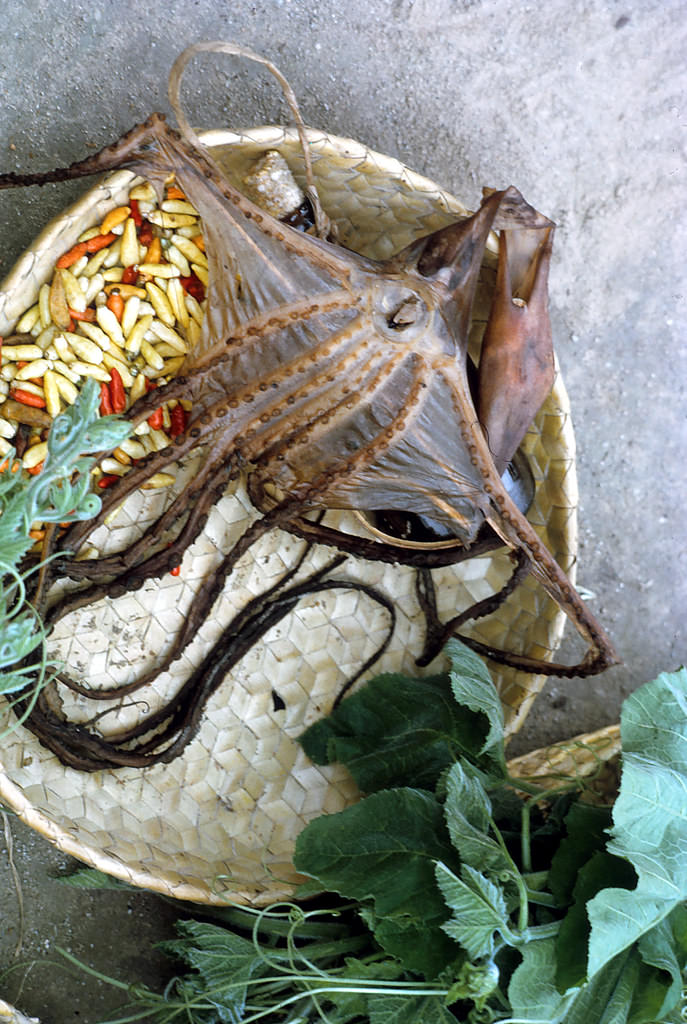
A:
[330,381]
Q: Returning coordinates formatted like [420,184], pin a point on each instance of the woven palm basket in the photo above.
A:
[220,822]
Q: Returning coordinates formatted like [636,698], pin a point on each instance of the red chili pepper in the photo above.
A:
[150,384]
[155,419]
[178,421]
[105,400]
[130,273]
[27,398]
[115,302]
[107,480]
[175,571]
[70,257]
[145,233]
[136,215]
[88,315]
[117,393]
[194,286]
[100,242]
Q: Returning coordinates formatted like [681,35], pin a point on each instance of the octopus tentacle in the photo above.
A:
[439,632]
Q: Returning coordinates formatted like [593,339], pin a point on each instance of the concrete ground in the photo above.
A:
[582,107]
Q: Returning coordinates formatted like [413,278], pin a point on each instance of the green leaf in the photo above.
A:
[19,638]
[225,962]
[91,878]
[474,689]
[573,938]
[532,989]
[468,816]
[396,731]
[664,952]
[586,827]
[383,850]
[479,910]
[649,819]
[419,945]
[388,1009]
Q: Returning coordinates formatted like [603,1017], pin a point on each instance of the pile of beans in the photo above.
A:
[125,305]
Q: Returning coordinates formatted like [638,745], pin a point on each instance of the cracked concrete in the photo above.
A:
[580,106]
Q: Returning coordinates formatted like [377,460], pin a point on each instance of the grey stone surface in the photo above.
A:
[581,106]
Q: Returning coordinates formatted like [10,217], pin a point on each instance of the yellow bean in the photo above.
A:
[160,304]
[150,355]
[113,275]
[175,296]
[165,333]
[34,455]
[109,465]
[65,387]
[171,220]
[44,305]
[96,334]
[159,480]
[179,260]
[134,449]
[178,206]
[134,339]
[88,234]
[95,285]
[95,262]
[113,218]
[138,389]
[130,314]
[72,291]
[110,324]
[129,246]
[201,273]
[84,348]
[63,349]
[190,250]
[28,320]
[164,270]
[36,368]
[90,370]
[145,192]
[52,394]
[15,353]
[116,364]
[195,309]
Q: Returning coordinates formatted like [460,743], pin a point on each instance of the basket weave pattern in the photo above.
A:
[220,822]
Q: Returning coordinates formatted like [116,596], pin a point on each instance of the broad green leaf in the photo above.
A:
[474,689]
[225,962]
[479,909]
[468,816]
[664,952]
[419,945]
[396,731]
[388,1009]
[573,938]
[586,827]
[532,989]
[383,849]
[649,819]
